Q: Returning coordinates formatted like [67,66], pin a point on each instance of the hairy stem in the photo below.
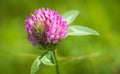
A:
[56,66]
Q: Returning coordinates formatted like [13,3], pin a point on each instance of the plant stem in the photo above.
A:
[56,66]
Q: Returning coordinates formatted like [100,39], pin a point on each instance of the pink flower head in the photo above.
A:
[45,27]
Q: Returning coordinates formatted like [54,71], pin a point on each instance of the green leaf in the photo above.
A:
[48,58]
[70,16]
[80,30]
[35,65]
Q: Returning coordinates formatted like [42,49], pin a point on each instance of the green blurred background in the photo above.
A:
[93,55]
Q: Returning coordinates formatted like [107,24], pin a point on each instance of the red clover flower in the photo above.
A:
[45,28]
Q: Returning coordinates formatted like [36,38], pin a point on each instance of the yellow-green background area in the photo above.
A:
[93,54]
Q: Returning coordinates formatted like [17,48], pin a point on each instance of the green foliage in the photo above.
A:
[70,16]
[80,30]
[46,58]
[35,66]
